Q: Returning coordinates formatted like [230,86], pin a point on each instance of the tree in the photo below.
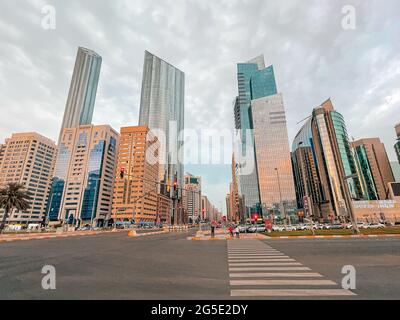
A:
[13,196]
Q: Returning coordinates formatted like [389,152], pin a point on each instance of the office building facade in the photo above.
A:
[136,179]
[162,108]
[274,167]
[373,167]
[82,188]
[324,166]
[83,88]
[28,158]
[192,197]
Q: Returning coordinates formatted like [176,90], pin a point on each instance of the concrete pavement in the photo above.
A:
[167,266]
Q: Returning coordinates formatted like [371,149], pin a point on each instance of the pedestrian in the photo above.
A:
[231,231]
[212,231]
[237,232]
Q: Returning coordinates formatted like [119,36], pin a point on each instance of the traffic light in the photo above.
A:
[122,172]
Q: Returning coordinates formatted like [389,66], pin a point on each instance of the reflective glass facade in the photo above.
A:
[349,165]
[82,187]
[274,167]
[365,173]
[162,102]
[82,93]
[254,82]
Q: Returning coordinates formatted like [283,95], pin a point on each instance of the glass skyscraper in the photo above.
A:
[83,89]
[162,108]
[259,108]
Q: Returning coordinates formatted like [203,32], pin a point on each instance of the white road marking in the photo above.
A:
[308,282]
[291,293]
[270,269]
[264,264]
[275,274]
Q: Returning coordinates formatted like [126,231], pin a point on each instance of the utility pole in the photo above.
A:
[280,196]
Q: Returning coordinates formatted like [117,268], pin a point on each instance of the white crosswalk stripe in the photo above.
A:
[258,270]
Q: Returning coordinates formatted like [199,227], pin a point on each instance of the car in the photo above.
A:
[277,228]
[244,228]
[290,228]
[376,226]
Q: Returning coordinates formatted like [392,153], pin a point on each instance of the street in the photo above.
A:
[168,266]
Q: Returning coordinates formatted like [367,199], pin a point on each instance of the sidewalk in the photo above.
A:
[335,237]
[52,235]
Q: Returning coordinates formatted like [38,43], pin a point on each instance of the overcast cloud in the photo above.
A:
[313,56]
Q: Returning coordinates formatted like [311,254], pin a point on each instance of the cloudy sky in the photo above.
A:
[314,58]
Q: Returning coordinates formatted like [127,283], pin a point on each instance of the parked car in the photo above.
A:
[290,228]
[376,226]
[257,228]
[277,228]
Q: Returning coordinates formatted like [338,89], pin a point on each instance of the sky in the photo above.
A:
[314,58]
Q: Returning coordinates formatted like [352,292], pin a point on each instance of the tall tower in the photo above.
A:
[162,108]
[83,89]
[259,110]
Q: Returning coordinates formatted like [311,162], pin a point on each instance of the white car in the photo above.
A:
[290,228]
[278,228]
[376,226]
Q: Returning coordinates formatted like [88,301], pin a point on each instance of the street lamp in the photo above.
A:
[280,196]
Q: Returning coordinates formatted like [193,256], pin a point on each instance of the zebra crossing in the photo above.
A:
[258,270]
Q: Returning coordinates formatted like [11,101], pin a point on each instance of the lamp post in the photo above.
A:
[280,196]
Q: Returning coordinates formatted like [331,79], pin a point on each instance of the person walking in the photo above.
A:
[237,232]
[231,231]
[212,231]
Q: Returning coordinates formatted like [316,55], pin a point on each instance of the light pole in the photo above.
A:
[280,195]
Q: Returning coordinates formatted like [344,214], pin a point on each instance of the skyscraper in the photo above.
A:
[135,185]
[28,158]
[374,168]
[274,167]
[259,108]
[83,89]
[162,108]
[324,165]
[82,187]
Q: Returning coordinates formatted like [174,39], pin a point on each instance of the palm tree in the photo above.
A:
[13,196]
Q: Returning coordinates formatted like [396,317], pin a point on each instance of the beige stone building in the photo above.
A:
[28,158]
[136,180]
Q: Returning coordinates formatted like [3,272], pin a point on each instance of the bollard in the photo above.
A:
[132,233]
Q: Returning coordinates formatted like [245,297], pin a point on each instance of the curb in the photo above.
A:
[148,234]
[337,237]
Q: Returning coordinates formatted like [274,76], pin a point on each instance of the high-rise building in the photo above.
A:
[192,197]
[259,108]
[274,167]
[83,89]
[136,182]
[82,188]
[228,202]
[397,145]
[306,175]
[206,208]
[324,165]
[29,159]
[396,170]
[162,108]
[374,168]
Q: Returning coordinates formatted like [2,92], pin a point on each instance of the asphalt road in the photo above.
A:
[167,266]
